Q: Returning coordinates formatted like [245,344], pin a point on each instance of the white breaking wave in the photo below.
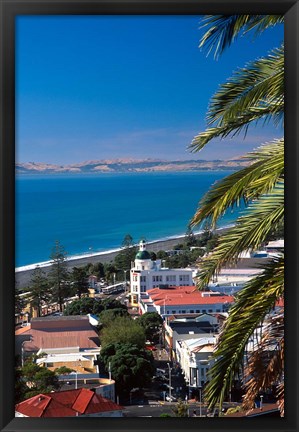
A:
[95,254]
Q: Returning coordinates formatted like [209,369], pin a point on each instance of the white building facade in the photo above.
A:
[195,359]
[146,274]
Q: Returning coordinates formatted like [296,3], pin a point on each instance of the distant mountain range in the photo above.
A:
[130,165]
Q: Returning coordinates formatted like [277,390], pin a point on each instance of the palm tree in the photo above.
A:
[253,94]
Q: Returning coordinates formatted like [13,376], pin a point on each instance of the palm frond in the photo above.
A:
[253,94]
[280,396]
[250,230]
[224,29]
[252,304]
[266,363]
[244,185]
[260,81]
[234,126]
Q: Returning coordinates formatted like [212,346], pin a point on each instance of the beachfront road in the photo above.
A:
[23,277]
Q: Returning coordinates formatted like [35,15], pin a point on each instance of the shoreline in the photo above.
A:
[23,273]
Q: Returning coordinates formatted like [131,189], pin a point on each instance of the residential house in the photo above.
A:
[74,333]
[70,403]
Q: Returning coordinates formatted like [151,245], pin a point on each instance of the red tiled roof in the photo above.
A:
[67,403]
[21,330]
[267,408]
[185,295]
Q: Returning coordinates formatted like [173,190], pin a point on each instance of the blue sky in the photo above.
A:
[105,87]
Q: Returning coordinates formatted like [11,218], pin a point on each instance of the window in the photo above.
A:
[197,311]
[210,310]
[157,278]
[204,311]
[173,312]
[191,310]
[171,278]
[183,311]
[49,364]
[218,310]
[142,278]
[184,278]
[135,288]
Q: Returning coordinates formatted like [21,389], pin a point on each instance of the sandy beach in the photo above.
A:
[23,277]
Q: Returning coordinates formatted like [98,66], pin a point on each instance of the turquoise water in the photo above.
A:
[93,213]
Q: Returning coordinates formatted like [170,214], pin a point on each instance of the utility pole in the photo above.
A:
[169,369]
[200,397]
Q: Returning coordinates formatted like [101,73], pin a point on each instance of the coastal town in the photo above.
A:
[149,280]
[139,343]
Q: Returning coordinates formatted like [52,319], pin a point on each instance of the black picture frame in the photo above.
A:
[9,10]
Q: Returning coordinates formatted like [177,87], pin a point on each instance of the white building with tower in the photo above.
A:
[146,274]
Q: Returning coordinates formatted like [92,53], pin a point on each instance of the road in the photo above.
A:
[155,409]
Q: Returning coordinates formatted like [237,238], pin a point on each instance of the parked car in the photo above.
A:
[170,398]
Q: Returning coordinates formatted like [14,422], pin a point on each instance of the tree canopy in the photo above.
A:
[32,379]
[123,330]
[108,315]
[131,366]
[151,322]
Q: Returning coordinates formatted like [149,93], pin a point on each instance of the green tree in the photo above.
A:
[63,370]
[253,94]
[123,330]
[58,276]
[33,379]
[20,386]
[19,301]
[123,260]
[98,270]
[84,306]
[151,322]
[108,315]
[127,241]
[39,290]
[190,239]
[181,409]
[79,281]
[111,303]
[131,366]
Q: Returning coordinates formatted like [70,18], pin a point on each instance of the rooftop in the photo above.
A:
[185,295]
[69,403]
[60,332]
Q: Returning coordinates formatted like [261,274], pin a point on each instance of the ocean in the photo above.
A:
[93,213]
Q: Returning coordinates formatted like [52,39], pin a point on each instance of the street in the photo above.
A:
[156,408]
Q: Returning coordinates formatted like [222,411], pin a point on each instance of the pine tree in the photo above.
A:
[58,275]
[38,290]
